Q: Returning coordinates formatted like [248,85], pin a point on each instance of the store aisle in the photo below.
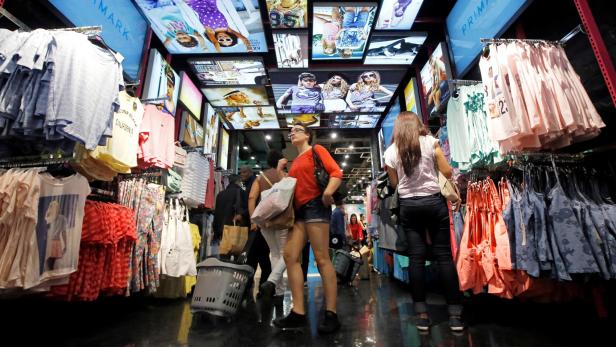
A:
[376,313]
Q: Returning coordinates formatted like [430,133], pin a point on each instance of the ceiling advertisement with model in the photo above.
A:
[341,32]
[206,26]
[318,91]
[228,72]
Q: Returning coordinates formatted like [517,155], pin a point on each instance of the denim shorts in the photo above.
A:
[313,212]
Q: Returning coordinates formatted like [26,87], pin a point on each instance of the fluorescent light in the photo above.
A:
[245,148]
[346,156]
[334,135]
[268,137]
[344,164]
[257,165]
[252,158]
[351,147]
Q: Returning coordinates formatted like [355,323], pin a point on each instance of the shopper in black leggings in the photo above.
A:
[410,163]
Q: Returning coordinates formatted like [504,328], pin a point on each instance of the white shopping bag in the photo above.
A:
[274,201]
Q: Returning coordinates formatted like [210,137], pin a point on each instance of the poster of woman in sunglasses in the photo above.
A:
[344,91]
[207,26]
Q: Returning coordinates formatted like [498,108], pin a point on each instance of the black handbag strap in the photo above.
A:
[318,164]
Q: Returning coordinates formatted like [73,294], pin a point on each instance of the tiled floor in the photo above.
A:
[377,312]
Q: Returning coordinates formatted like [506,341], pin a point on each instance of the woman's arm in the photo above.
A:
[386,91]
[283,98]
[252,201]
[348,97]
[393,176]
[200,39]
[441,162]
[253,196]
[241,37]
[211,36]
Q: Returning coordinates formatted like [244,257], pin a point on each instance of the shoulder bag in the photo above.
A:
[322,177]
[448,187]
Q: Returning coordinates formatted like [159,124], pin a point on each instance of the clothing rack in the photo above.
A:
[465,82]
[21,25]
[91,30]
[545,157]
[154,100]
[497,41]
[141,174]
[36,161]
[577,30]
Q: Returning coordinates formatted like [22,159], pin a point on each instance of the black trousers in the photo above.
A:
[259,254]
[416,216]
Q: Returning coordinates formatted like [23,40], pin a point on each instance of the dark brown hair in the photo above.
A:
[407,130]
[307,130]
[351,219]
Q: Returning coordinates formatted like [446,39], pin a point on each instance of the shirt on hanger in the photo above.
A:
[84,89]
[120,152]
[156,140]
[60,217]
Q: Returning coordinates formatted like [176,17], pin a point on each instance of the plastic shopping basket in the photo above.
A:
[220,287]
[346,265]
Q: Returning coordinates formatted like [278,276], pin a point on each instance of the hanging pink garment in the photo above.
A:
[210,193]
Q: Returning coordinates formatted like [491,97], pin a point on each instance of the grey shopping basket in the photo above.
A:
[346,265]
[220,287]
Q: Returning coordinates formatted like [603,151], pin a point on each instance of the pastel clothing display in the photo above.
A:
[156,139]
[40,226]
[120,151]
[470,144]
[535,100]
[195,179]
[44,77]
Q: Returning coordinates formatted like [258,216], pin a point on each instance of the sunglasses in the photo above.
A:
[308,80]
[368,75]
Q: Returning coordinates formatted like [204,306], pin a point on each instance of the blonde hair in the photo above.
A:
[374,86]
[328,86]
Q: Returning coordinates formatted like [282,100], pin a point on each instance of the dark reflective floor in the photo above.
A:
[377,312]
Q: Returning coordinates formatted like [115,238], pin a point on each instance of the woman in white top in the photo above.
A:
[410,163]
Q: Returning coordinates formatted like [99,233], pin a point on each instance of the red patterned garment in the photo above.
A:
[107,239]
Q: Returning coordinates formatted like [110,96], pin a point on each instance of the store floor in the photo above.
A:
[377,312]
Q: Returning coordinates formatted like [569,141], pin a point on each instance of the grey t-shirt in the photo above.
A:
[84,89]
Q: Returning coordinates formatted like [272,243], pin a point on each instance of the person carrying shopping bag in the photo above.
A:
[276,238]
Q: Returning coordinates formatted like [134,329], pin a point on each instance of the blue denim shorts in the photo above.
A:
[313,212]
